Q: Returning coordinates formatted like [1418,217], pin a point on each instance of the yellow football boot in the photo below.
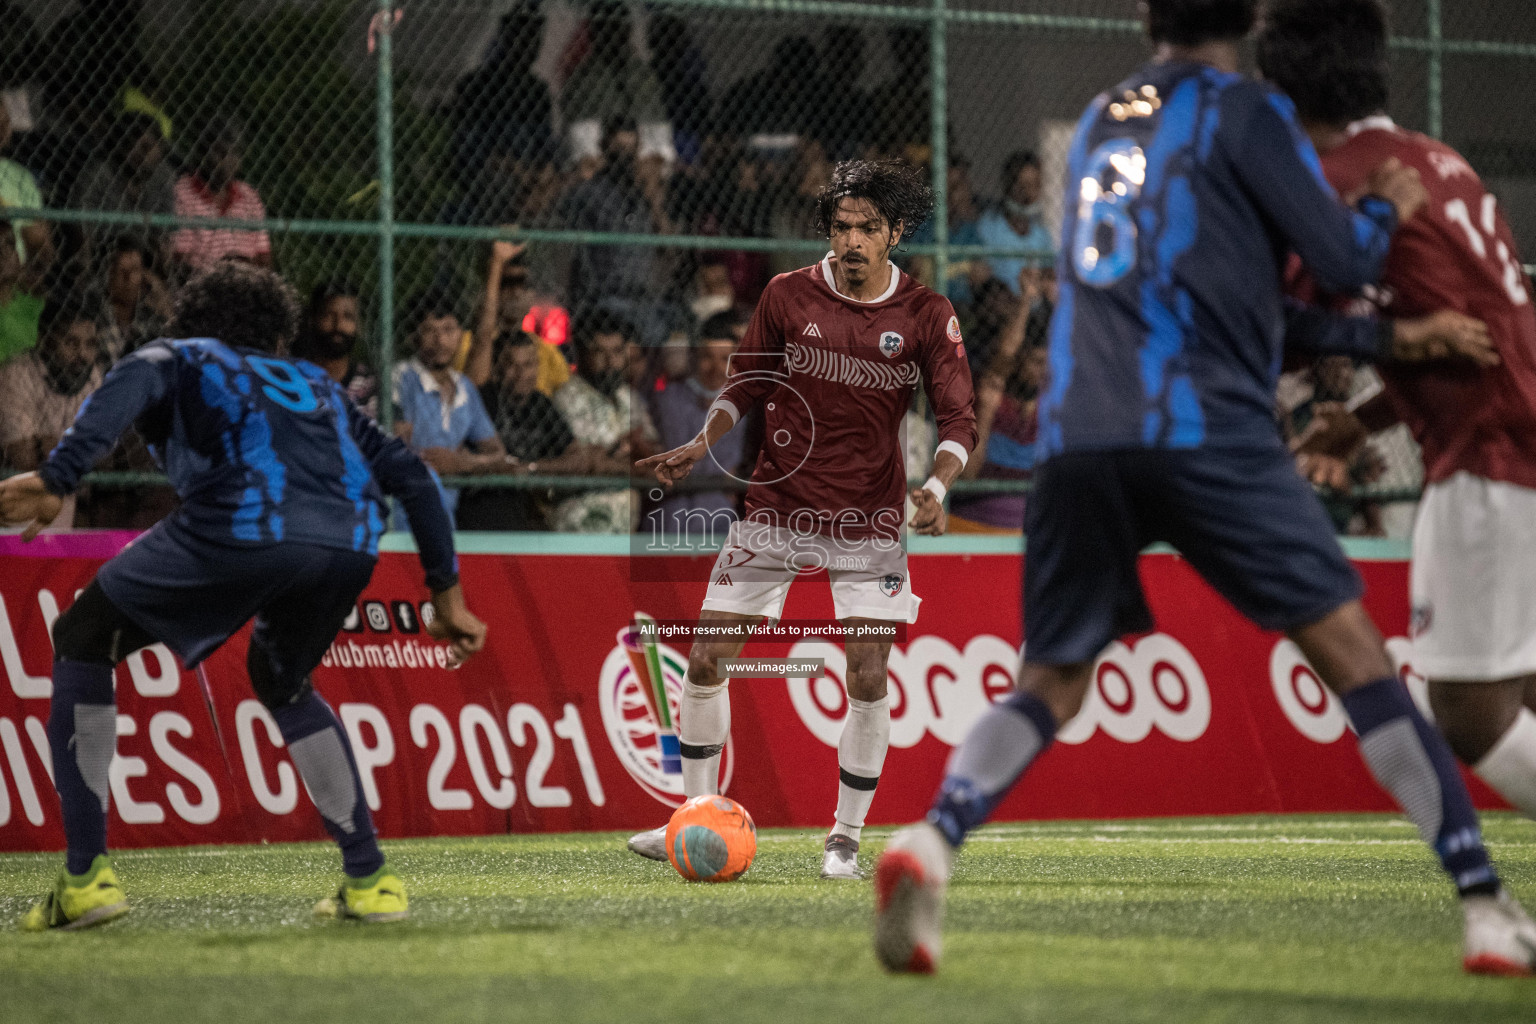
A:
[378,898]
[79,901]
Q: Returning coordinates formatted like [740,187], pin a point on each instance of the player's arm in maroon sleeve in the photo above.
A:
[947,380]
[757,367]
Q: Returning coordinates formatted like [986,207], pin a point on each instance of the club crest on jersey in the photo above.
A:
[891,584]
[890,344]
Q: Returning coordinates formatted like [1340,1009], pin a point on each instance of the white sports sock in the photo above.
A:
[1510,767]
[860,756]
[705,722]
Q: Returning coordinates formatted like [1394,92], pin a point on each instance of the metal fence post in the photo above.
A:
[938,79]
[386,133]
[1436,68]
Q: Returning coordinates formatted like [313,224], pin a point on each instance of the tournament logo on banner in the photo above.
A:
[638,727]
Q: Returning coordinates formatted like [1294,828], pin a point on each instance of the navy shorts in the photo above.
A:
[192,594]
[1245,520]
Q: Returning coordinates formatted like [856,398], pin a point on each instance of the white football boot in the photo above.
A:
[910,879]
[651,845]
[841,859]
[1501,938]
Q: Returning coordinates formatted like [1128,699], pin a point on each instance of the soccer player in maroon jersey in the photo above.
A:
[832,357]
[1474,543]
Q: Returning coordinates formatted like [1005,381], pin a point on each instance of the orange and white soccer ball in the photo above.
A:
[711,839]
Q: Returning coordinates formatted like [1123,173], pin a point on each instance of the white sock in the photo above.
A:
[1510,767]
[860,756]
[704,723]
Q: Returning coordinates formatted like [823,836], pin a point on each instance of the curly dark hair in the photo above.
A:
[1192,22]
[1330,56]
[899,191]
[240,304]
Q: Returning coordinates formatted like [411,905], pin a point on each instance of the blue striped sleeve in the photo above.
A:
[138,383]
[1277,164]
[402,474]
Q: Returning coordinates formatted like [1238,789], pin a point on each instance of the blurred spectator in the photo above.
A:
[535,434]
[214,189]
[784,99]
[1332,379]
[680,410]
[846,122]
[328,338]
[963,216]
[905,100]
[21,299]
[1006,396]
[507,310]
[992,309]
[625,195]
[441,414]
[136,304]
[611,83]
[133,178]
[712,291]
[610,420]
[1016,221]
[678,64]
[95,68]
[41,390]
[1038,293]
[502,107]
[18,189]
[20,46]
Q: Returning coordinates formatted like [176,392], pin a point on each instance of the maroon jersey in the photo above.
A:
[834,378]
[1456,253]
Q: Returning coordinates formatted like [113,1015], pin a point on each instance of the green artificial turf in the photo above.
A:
[1273,919]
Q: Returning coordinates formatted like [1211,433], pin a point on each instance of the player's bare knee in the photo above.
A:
[1063,688]
[703,665]
[1474,716]
[1345,648]
[867,673]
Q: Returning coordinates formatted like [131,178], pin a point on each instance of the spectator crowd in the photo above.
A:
[541,361]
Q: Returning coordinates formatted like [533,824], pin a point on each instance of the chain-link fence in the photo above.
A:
[466,175]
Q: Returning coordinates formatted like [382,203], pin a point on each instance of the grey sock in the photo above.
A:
[322,761]
[95,742]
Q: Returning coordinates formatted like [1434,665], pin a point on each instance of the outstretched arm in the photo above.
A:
[402,474]
[1444,334]
[138,383]
[757,367]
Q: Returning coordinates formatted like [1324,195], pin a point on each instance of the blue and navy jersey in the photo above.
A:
[1187,187]
[261,449]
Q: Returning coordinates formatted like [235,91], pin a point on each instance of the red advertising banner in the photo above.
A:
[550,729]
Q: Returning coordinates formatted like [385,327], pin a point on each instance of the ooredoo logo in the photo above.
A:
[938,690]
[1157,684]
[632,726]
[1312,708]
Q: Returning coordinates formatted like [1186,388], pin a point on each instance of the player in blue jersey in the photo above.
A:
[1188,184]
[282,483]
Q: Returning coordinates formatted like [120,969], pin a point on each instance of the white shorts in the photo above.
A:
[759,562]
[1474,580]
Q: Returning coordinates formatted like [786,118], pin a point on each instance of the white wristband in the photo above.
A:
[933,485]
[956,449]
